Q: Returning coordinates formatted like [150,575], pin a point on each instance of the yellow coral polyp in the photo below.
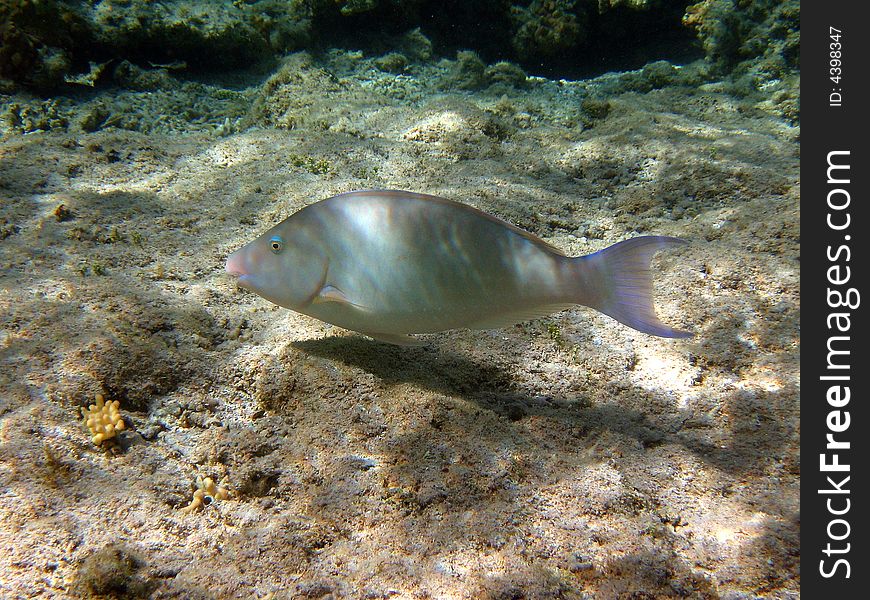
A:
[103,419]
[205,488]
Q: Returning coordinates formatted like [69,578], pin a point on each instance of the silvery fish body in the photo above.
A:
[392,263]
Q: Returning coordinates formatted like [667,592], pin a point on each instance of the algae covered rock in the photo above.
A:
[394,62]
[44,43]
[458,130]
[194,32]
[469,72]
[761,30]
[352,7]
[552,29]
[547,27]
[113,571]
[292,97]
[757,45]
[416,46]
[507,74]
[39,40]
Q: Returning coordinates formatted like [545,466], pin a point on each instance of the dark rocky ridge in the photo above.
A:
[45,42]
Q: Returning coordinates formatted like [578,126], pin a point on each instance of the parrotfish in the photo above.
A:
[390,264]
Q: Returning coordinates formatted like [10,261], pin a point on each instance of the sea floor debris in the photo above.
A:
[562,458]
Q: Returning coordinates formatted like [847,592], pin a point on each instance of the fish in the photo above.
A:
[391,264]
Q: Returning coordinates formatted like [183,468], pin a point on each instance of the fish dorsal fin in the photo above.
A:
[330,293]
[512,318]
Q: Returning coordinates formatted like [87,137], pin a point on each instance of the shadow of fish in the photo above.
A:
[391,263]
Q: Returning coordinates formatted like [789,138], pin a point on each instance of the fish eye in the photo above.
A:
[276,243]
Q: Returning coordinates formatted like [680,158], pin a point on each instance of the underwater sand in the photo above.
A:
[568,457]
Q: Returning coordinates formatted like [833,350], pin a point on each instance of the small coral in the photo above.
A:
[207,491]
[103,419]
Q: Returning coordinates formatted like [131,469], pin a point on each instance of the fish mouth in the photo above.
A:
[235,266]
[236,269]
[243,281]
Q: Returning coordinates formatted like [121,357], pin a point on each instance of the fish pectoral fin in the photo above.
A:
[330,293]
[396,338]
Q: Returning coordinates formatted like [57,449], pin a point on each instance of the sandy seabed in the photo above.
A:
[569,457]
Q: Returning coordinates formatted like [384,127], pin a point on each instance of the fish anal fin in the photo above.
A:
[397,339]
[514,317]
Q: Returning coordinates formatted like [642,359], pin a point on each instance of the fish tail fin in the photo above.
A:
[617,282]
